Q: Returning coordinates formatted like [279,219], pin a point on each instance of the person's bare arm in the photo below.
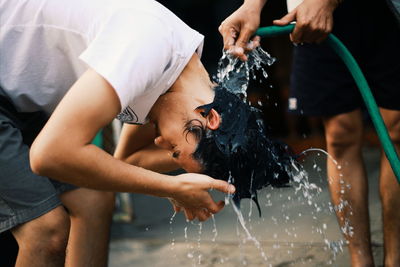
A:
[237,29]
[314,21]
[136,146]
[63,151]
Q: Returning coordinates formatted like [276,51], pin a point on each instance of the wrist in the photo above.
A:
[335,3]
[170,186]
[255,5]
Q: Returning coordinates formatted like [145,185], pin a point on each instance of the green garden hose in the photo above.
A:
[98,139]
[362,84]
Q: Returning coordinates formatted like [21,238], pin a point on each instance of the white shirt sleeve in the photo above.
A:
[131,51]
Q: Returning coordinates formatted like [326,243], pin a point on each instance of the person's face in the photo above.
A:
[180,143]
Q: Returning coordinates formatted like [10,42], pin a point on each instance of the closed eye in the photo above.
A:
[176,154]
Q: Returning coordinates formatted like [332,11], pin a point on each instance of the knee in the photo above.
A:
[104,203]
[394,133]
[97,205]
[342,135]
[47,234]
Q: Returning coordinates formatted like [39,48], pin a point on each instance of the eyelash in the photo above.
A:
[175,154]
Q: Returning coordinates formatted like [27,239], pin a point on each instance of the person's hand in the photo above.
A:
[192,213]
[193,198]
[237,29]
[314,20]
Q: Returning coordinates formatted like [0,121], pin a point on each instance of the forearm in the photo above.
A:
[89,166]
[255,4]
[152,158]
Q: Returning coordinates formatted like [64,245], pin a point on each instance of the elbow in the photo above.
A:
[39,160]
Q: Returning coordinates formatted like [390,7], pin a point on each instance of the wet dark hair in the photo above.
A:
[240,150]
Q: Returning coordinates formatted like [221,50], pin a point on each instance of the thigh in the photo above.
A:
[392,122]
[23,195]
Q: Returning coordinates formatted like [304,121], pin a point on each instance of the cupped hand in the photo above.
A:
[196,213]
[237,29]
[193,197]
[314,20]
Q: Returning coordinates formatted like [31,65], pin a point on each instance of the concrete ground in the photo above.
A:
[291,232]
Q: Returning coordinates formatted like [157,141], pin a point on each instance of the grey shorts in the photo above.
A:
[24,195]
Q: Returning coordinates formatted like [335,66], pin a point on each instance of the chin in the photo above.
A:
[194,169]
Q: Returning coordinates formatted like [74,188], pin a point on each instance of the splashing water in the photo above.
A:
[235,74]
[310,191]
[171,220]
[248,234]
[214,229]
[322,151]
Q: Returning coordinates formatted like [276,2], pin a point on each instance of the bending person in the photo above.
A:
[82,64]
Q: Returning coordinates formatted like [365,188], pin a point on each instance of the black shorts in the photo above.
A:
[321,85]
[24,195]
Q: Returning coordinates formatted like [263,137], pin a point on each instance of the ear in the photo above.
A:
[213,120]
[162,143]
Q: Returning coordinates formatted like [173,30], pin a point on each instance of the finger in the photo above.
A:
[189,215]
[244,38]
[176,208]
[221,204]
[236,51]
[229,37]
[297,35]
[214,208]
[327,30]
[321,38]
[252,44]
[256,41]
[203,215]
[291,16]
[309,36]
[222,186]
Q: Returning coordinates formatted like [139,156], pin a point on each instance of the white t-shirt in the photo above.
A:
[138,46]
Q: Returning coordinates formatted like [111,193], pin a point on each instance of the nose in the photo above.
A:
[162,143]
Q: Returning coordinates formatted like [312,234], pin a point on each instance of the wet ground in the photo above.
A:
[290,231]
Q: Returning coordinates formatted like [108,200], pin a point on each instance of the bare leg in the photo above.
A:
[42,241]
[90,213]
[348,183]
[390,194]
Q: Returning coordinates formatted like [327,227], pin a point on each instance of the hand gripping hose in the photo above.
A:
[362,84]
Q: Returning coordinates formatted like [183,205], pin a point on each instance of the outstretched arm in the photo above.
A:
[63,151]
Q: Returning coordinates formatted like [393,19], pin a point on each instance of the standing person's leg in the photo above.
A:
[390,193]
[348,183]
[91,213]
